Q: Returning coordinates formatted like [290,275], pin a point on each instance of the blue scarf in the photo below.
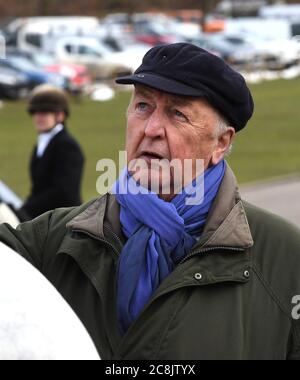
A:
[160,234]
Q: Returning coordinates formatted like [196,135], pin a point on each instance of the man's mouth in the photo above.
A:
[148,155]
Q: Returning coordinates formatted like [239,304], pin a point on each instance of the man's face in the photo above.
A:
[164,126]
[45,121]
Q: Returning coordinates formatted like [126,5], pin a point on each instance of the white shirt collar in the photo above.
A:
[45,138]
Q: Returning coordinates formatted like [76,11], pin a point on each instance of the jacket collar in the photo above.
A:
[226,225]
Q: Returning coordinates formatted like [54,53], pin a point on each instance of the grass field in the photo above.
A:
[269,147]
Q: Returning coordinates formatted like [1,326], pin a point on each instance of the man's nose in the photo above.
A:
[155,126]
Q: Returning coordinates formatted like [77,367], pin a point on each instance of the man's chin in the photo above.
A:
[154,181]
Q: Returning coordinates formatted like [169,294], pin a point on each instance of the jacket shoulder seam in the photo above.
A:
[270,291]
[43,237]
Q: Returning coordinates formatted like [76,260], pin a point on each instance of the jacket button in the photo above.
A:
[198,276]
[246,274]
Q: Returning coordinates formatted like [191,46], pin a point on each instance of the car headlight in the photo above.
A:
[21,78]
[9,80]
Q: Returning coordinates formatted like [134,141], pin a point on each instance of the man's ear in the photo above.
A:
[224,142]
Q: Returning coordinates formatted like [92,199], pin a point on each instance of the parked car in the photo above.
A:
[13,84]
[150,29]
[35,75]
[2,45]
[39,34]
[76,75]
[276,53]
[154,33]
[280,11]
[125,44]
[101,62]
[128,49]
[173,29]
[242,54]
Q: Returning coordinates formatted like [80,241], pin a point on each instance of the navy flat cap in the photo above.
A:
[187,70]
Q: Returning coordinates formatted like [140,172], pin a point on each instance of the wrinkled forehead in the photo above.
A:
[197,106]
[152,93]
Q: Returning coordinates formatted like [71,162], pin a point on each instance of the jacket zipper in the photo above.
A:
[115,250]
[209,250]
[116,237]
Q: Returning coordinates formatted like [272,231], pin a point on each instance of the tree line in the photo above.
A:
[18,8]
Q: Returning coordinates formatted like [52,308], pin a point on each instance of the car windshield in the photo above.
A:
[119,44]
[43,59]
[219,43]
[150,27]
[256,37]
[21,63]
[96,49]
[246,37]
[235,40]
[102,49]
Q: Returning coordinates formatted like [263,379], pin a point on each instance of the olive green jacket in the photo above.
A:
[230,298]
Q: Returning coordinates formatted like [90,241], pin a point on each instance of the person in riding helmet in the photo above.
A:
[57,161]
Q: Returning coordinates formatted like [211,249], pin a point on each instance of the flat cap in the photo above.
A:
[187,70]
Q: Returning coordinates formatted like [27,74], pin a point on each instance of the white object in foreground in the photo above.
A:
[8,196]
[35,322]
[7,216]
[102,93]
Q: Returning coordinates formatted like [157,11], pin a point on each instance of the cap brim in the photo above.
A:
[160,83]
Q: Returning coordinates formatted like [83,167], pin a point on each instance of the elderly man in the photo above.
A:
[153,277]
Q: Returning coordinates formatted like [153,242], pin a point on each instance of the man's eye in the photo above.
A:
[180,115]
[142,106]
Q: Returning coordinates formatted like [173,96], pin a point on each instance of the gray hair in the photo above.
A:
[222,127]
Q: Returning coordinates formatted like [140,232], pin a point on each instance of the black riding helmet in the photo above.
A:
[47,98]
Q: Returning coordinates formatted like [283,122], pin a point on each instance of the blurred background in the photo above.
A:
[81,46]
